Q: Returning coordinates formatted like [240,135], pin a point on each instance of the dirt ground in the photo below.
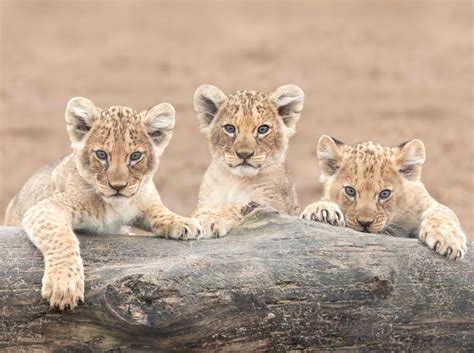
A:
[376,70]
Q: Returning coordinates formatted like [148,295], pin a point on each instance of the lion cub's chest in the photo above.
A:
[221,190]
[113,217]
[230,193]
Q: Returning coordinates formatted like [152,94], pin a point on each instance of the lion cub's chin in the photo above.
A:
[244,171]
[117,200]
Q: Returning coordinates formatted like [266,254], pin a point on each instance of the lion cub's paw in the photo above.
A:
[249,208]
[325,212]
[181,228]
[215,227]
[63,287]
[127,230]
[259,210]
[444,238]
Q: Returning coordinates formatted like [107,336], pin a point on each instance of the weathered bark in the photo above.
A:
[273,284]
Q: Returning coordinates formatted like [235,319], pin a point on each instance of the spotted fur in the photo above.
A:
[246,165]
[84,192]
[370,170]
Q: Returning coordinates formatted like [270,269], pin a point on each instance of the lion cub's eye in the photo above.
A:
[101,155]
[135,156]
[350,191]
[385,194]
[263,129]
[229,128]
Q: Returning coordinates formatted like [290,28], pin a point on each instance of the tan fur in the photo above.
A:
[83,192]
[369,169]
[228,185]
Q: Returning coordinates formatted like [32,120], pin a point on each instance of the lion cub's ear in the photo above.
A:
[329,155]
[410,158]
[207,101]
[80,115]
[159,122]
[289,100]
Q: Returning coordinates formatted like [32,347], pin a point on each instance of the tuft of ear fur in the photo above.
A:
[80,115]
[289,100]
[207,101]
[410,158]
[159,121]
[329,155]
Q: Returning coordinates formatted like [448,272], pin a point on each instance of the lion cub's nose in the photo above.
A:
[118,187]
[365,222]
[244,154]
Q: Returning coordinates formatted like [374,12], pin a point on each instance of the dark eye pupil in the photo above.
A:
[263,129]
[384,194]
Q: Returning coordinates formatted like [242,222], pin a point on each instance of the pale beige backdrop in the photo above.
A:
[376,70]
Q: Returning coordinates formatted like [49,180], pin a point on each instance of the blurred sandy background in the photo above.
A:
[376,70]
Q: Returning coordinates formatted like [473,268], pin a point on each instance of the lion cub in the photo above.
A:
[248,135]
[105,183]
[377,189]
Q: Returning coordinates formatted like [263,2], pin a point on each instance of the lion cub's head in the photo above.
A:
[368,181]
[117,148]
[248,131]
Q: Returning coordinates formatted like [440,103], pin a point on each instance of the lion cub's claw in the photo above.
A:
[324,212]
[214,228]
[445,239]
[260,211]
[63,288]
[248,208]
[184,228]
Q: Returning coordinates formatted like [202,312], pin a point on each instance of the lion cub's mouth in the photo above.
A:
[245,164]
[118,196]
[368,230]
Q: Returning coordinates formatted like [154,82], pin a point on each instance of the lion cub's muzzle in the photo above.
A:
[119,190]
[245,159]
[244,163]
[118,186]
[366,226]
[245,155]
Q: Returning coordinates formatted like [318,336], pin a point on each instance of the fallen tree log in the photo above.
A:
[273,284]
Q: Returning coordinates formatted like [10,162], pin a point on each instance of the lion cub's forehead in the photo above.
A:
[367,152]
[121,119]
[119,125]
[368,161]
[119,114]
[248,104]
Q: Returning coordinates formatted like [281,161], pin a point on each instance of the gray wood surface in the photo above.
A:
[273,284]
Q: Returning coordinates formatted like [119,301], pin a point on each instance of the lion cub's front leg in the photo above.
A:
[165,223]
[441,231]
[48,224]
[325,212]
[219,221]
